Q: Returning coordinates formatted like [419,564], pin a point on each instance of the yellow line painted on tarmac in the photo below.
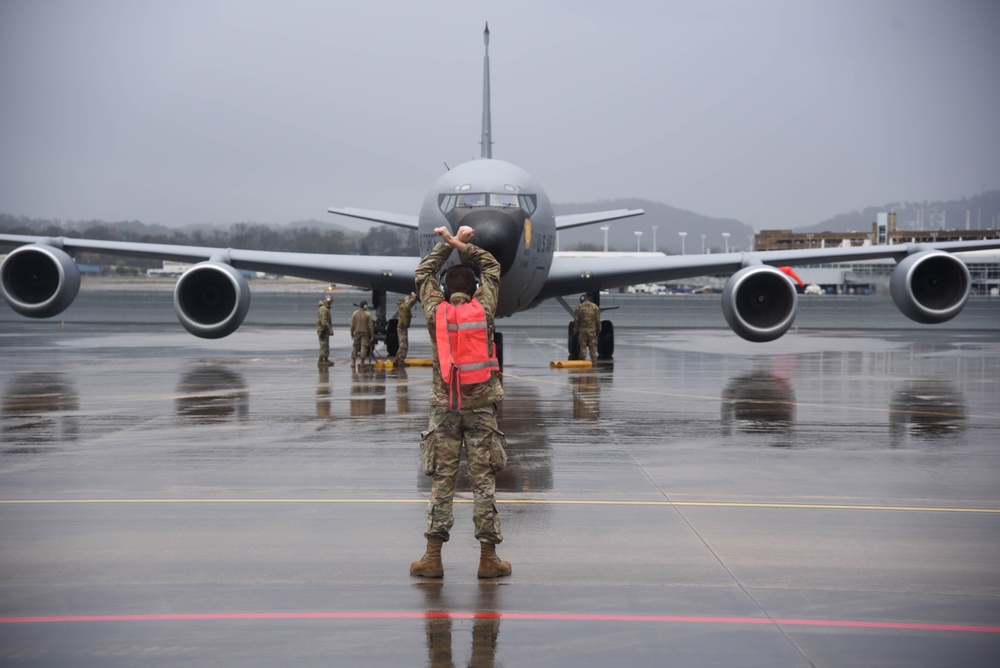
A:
[540,502]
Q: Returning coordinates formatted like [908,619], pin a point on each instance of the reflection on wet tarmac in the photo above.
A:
[529,456]
[586,394]
[212,393]
[926,410]
[38,410]
[523,421]
[438,627]
[759,403]
[367,392]
[402,390]
[323,393]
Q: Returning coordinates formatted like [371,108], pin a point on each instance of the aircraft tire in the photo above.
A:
[572,343]
[606,341]
[391,337]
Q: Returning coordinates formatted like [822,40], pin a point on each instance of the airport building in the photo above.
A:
[883,231]
[870,276]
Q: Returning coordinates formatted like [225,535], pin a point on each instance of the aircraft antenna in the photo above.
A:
[487,140]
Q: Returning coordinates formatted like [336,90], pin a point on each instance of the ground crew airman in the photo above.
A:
[324,330]
[403,326]
[587,323]
[362,334]
[460,322]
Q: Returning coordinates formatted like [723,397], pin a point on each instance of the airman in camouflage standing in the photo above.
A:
[362,334]
[473,422]
[403,326]
[324,330]
[587,323]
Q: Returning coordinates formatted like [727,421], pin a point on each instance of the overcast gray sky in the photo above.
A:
[777,113]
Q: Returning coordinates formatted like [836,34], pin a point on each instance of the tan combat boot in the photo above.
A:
[429,565]
[490,565]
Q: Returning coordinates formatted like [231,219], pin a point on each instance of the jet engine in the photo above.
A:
[211,299]
[759,303]
[39,281]
[930,286]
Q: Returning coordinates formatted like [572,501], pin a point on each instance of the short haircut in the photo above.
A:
[459,279]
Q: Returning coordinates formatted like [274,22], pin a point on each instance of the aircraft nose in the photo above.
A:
[498,232]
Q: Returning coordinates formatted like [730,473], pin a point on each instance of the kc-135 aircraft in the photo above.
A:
[514,220]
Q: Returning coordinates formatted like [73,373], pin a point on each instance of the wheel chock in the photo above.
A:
[418,362]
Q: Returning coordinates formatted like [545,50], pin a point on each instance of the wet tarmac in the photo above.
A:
[830,499]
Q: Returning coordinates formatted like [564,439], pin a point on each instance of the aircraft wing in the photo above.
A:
[397,219]
[389,273]
[592,272]
[578,219]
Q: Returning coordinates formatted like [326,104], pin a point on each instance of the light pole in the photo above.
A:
[725,235]
[605,228]
[638,240]
[654,237]
[703,243]
[682,235]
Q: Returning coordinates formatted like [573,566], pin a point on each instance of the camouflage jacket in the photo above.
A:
[403,306]
[361,323]
[476,395]
[587,317]
[323,322]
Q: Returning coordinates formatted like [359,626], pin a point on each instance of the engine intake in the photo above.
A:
[39,281]
[211,299]
[930,287]
[759,303]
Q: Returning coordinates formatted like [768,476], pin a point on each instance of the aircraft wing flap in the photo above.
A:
[396,219]
[391,273]
[591,274]
[173,252]
[595,271]
[579,219]
[382,272]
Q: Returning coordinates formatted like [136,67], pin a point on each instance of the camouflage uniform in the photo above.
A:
[324,326]
[587,322]
[403,325]
[475,424]
[362,333]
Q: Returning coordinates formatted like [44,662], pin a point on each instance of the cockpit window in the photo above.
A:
[527,203]
[504,201]
[446,202]
[472,199]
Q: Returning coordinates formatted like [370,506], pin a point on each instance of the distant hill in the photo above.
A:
[669,221]
[979,211]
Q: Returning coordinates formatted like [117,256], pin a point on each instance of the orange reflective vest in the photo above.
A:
[463,347]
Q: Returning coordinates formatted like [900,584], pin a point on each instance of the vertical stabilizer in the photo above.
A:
[487,140]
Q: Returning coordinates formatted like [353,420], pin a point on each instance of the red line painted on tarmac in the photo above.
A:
[511,616]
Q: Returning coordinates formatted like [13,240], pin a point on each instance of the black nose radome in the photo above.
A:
[496,231]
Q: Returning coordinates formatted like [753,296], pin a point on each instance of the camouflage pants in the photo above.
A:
[362,343]
[587,341]
[404,342]
[441,448]
[324,343]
